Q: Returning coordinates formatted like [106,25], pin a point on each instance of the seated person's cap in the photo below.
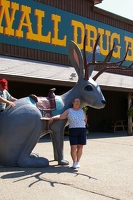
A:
[4,83]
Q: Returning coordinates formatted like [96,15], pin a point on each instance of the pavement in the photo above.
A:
[106,172]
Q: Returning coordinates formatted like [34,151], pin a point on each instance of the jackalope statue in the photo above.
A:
[21,126]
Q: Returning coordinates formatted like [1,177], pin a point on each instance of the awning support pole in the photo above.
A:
[130,124]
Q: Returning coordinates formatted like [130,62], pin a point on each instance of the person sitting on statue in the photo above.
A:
[5,96]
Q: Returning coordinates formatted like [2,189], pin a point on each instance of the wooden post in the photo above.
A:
[130,124]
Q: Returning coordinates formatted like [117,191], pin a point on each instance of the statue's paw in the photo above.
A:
[63,162]
[33,162]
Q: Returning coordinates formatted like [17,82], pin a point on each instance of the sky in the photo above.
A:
[123,8]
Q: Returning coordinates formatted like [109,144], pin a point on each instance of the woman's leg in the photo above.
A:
[74,152]
[79,151]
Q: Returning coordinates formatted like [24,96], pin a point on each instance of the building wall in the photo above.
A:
[23,89]
[116,107]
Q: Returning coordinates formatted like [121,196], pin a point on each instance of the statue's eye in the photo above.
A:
[88,88]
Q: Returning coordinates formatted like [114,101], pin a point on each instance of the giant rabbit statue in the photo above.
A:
[21,126]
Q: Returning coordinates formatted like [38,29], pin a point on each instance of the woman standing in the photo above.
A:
[77,129]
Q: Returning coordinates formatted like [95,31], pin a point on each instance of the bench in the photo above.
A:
[119,124]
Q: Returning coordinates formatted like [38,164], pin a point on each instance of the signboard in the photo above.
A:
[39,26]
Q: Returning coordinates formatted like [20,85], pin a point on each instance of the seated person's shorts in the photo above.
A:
[77,136]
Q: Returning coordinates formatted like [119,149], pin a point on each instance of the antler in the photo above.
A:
[93,57]
[113,65]
[85,61]
[106,64]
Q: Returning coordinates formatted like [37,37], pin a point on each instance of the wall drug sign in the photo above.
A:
[38,26]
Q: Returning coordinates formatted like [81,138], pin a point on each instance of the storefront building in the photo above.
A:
[34,38]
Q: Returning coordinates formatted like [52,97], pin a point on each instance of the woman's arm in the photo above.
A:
[13,99]
[2,100]
[59,117]
[85,119]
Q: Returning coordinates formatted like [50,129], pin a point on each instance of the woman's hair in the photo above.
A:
[74,100]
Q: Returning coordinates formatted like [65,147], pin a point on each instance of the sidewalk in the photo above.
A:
[106,172]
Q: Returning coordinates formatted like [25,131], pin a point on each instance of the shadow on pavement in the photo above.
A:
[39,174]
[96,135]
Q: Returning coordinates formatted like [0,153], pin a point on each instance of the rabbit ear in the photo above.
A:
[76,58]
[91,68]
